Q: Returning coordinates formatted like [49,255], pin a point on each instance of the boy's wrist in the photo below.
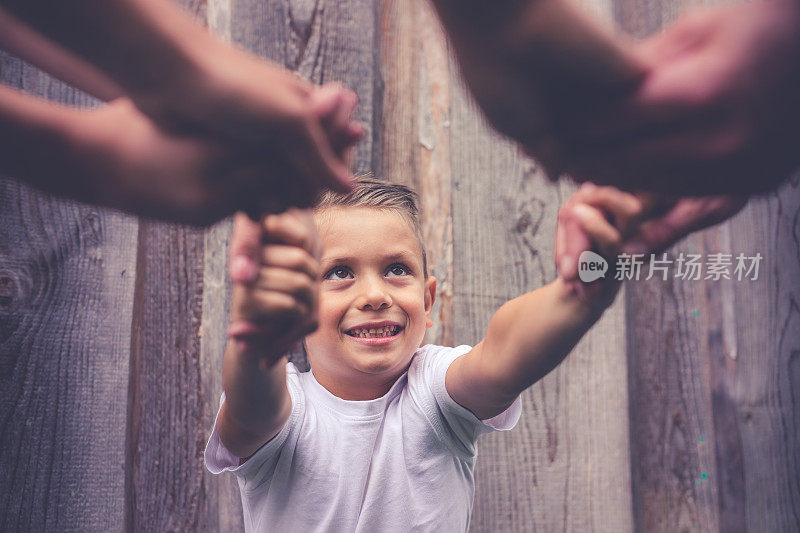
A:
[585,303]
[251,346]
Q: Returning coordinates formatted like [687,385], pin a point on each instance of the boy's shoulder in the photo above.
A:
[432,357]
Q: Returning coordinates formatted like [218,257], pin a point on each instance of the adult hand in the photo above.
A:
[333,106]
[190,83]
[301,131]
[650,226]
[718,112]
[135,165]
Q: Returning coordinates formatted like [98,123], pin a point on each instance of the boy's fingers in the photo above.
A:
[592,222]
[264,306]
[290,257]
[245,249]
[570,242]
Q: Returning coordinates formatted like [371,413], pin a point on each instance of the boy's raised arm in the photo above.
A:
[268,317]
[530,335]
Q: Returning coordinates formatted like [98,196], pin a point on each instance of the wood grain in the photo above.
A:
[164,473]
[762,380]
[66,284]
[223,504]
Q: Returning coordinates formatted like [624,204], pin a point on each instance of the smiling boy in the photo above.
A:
[381,434]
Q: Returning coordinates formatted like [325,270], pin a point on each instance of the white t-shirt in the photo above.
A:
[402,462]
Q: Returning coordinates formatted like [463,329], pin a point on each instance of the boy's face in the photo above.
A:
[374,304]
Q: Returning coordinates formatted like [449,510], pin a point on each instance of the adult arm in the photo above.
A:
[183,78]
[21,40]
[717,113]
[532,64]
[116,156]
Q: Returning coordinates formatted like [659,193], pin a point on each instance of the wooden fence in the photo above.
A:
[680,411]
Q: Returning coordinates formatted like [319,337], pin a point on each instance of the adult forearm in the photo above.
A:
[551,37]
[143,45]
[257,401]
[22,41]
[40,144]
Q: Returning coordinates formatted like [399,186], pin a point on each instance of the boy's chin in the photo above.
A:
[381,364]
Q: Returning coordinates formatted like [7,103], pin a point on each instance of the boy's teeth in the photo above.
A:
[386,331]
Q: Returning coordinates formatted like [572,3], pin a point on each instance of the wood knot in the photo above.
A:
[10,291]
[524,223]
[94,224]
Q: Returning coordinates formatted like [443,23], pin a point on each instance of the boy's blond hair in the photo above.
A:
[369,191]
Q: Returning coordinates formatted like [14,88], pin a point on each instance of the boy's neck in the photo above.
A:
[366,387]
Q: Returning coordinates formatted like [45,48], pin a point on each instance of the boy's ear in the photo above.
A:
[430,297]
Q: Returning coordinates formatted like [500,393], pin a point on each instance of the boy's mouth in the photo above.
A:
[374,332]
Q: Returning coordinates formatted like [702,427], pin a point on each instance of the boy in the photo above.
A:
[381,434]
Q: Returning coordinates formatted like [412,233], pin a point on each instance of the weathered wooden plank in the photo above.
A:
[714,423]
[760,377]
[66,282]
[223,504]
[565,466]
[672,424]
[713,369]
[415,136]
[164,473]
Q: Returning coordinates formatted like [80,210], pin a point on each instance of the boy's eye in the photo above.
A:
[398,270]
[338,273]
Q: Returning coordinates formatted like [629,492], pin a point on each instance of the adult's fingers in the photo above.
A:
[318,161]
[293,228]
[334,105]
[625,208]
[245,249]
[686,216]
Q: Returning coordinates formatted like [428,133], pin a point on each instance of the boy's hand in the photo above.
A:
[269,315]
[662,221]
[596,219]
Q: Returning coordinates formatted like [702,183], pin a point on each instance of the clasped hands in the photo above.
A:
[707,107]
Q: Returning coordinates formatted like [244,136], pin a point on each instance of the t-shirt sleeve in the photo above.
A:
[219,459]
[454,423]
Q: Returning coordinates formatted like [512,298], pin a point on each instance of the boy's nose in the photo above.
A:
[374,296]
